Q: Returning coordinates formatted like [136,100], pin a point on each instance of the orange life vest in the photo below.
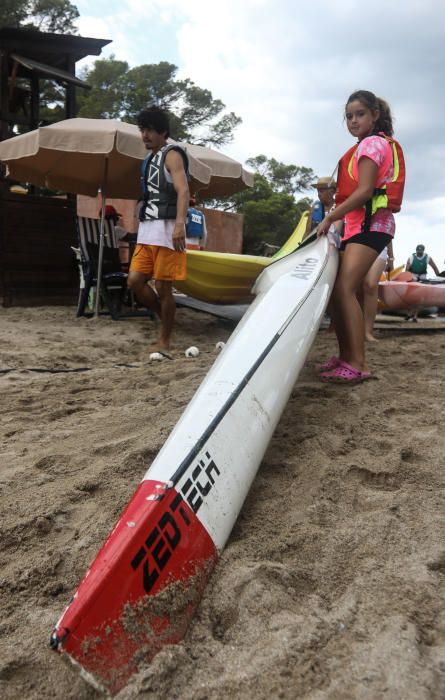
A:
[387,197]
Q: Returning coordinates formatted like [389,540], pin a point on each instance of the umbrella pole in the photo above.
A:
[101,240]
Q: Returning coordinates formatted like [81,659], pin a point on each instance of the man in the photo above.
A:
[112,215]
[124,238]
[195,227]
[418,263]
[325,187]
[160,249]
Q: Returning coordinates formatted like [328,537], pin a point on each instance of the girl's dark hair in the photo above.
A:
[384,122]
[154,118]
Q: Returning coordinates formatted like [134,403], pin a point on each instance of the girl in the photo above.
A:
[369,228]
[370,290]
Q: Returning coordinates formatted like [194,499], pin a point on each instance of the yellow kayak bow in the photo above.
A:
[227,278]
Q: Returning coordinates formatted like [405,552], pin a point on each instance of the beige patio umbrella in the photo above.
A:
[84,156]
[72,156]
[227,175]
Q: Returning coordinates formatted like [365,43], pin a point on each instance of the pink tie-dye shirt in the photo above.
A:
[379,150]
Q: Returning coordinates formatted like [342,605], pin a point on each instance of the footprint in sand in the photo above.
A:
[137,462]
[89,486]
[438,565]
[64,412]
[382,481]
[55,465]
[14,670]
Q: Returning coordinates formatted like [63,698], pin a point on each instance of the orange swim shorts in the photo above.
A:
[159,263]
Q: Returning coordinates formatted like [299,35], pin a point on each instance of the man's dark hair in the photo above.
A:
[154,118]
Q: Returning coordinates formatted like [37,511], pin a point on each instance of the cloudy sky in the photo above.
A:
[286,67]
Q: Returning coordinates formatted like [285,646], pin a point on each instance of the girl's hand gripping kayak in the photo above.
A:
[323,226]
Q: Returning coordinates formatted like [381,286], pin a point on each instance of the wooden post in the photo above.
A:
[70,103]
[34,117]
[4,96]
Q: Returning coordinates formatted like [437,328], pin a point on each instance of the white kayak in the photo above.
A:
[144,585]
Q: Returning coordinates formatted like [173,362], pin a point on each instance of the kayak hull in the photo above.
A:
[142,589]
[397,295]
[221,278]
[228,278]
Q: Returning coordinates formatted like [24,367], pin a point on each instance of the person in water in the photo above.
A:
[369,227]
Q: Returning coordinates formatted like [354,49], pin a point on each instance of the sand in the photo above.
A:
[332,583]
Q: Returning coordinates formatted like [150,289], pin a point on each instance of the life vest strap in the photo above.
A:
[366,226]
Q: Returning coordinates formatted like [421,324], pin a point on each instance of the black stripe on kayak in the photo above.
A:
[243,383]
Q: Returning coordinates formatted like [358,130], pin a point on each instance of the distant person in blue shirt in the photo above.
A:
[195,228]
[325,187]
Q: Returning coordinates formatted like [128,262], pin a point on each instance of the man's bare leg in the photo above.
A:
[167,313]
[137,282]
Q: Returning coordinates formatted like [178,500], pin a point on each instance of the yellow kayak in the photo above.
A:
[227,278]
[393,274]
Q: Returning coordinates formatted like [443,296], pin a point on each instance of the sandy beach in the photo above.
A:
[332,583]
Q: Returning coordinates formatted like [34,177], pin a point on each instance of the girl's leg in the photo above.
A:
[331,305]
[370,296]
[348,316]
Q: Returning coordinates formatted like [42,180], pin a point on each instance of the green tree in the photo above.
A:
[56,16]
[104,100]
[120,92]
[271,209]
[13,13]
[288,179]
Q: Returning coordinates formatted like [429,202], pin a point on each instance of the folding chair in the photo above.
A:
[114,281]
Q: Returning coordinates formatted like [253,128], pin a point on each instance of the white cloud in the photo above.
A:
[421,221]
[287,67]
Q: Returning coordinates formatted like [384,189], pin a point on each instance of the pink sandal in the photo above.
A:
[344,373]
[330,364]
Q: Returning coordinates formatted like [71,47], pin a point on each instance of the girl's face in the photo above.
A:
[360,119]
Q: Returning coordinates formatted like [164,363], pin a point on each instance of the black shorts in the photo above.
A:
[374,239]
